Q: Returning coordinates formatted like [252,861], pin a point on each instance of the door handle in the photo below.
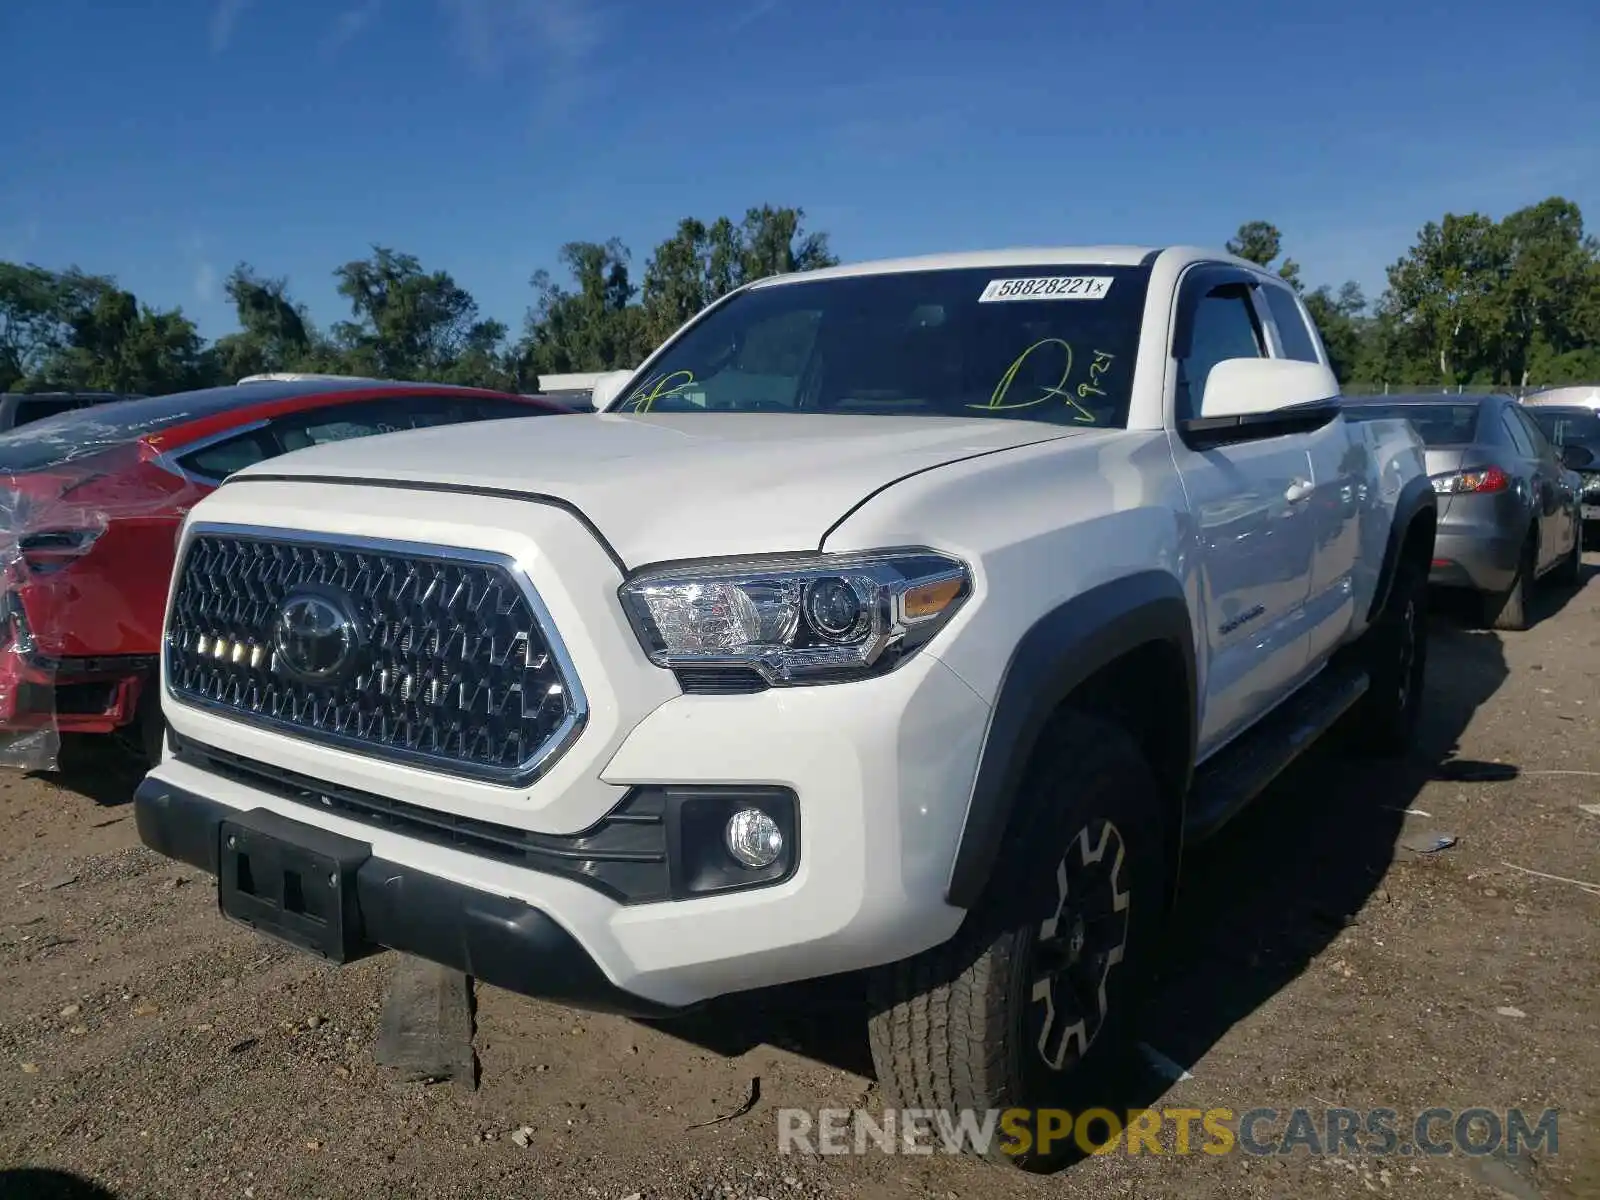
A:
[1299,491]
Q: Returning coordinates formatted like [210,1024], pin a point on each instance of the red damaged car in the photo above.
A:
[90,505]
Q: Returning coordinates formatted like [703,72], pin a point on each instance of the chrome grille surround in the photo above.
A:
[462,671]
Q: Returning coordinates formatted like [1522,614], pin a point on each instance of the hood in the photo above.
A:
[681,485]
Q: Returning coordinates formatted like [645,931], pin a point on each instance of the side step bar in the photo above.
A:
[1240,772]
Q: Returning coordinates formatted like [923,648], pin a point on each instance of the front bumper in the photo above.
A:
[881,771]
[496,939]
[73,695]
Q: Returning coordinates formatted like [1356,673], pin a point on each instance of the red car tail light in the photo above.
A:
[1489,479]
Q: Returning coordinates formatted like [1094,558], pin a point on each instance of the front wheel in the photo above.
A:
[1031,1004]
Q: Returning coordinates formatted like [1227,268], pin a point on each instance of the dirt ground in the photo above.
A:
[151,1048]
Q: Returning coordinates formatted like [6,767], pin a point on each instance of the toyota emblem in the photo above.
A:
[316,636]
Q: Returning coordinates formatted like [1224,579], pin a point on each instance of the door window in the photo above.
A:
[1541,444]
[1225,327]
[1293,331]
[1518,435]
[223,458]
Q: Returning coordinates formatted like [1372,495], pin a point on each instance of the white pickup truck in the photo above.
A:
[905,618]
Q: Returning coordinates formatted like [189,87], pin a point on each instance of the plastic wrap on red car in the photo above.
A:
[88,527]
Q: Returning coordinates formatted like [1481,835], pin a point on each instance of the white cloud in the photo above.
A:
[750,15]
[205,282]
[197,250]
[495,34]
[224,18]
[350,24]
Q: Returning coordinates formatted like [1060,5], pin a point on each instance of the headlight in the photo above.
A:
[820,618]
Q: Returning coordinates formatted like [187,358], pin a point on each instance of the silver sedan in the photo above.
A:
[1509,501]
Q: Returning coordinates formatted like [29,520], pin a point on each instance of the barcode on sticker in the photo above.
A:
[1047,287]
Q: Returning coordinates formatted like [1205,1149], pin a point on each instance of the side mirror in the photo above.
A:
[1246,387]
[1576,457]
[607,388]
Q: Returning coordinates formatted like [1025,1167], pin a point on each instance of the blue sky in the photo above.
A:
[161,143]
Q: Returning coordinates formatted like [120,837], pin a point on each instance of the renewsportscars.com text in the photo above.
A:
[1169,1131]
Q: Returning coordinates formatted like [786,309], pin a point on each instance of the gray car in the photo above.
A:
[1509,500]
[1569,426]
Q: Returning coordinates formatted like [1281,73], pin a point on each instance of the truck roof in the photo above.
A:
[1016,256]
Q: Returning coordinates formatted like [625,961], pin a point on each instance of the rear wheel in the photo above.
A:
[1031,1004]
[1396,658]
[1509,609]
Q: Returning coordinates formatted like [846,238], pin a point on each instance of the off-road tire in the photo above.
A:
[1394,652]
[953,1028]
[1509,609]
[1570,572]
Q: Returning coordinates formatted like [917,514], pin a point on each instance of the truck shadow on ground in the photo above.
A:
[99,767]
[39,1183]
[1257,904]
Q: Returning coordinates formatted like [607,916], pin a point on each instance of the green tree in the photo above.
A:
[32,322]
[274,333]
[701,263]
[773,243]
[114,343]
[1260,242]
[409,323]
[1339,319]
[592,326]
[686,272]
[1551,288]
[1447,300]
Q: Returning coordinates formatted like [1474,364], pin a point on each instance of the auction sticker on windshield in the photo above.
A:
[1049,287]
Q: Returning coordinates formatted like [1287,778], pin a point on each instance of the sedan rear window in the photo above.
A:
[1436,424]
[73,435]
[62,437]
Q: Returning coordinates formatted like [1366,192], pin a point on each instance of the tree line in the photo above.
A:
[1473,302]
[71,331]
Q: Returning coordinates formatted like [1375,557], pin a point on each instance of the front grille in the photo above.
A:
[452,662]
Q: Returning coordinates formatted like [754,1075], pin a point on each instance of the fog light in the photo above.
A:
[753,838]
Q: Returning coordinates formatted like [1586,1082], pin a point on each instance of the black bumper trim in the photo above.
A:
[495,939]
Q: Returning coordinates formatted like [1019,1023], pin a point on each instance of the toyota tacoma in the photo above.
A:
[904,620]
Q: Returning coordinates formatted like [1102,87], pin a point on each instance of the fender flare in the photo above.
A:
[1059,652]
[1416,496]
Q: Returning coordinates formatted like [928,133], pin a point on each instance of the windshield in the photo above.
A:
[1051,343]
[1436,424]
[1572,427]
